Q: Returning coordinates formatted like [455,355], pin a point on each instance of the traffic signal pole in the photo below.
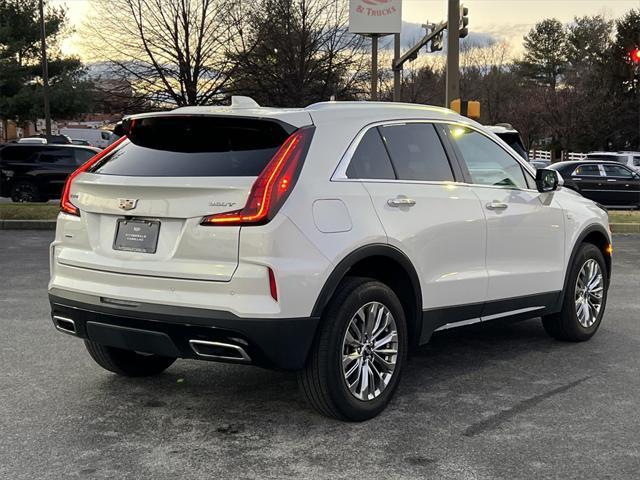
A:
[453,52]
[397,73]
[45,72]
[374,68]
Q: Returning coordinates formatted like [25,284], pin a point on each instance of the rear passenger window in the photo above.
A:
[587,171]
[417,152]
[370,160]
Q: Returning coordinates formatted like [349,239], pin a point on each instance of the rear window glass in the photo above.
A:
[196,147]
[514,141]
[57,156]
[17,153]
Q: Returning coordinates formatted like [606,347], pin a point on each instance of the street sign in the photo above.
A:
[375,17]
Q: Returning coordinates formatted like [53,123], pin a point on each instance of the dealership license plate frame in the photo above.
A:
[136,235]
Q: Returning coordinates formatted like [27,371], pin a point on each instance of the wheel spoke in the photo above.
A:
[384,340]
[387,366]
[382,327]
[364,382]
[354,367]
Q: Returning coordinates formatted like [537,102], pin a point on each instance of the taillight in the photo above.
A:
[66,205]
[273,185]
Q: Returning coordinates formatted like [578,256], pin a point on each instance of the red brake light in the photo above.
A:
[66,205]
[273,185]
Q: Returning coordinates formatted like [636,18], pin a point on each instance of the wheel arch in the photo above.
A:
[597,235]
[387,264]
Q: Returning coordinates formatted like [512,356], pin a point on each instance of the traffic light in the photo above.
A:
[635,56]
[466,108]
[436,44]
[464,21]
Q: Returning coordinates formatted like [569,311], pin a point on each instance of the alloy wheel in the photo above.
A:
[589,293]
[370,351]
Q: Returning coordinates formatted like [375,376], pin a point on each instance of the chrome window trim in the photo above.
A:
[340,172]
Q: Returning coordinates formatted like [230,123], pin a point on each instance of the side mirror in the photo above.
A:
[548,180]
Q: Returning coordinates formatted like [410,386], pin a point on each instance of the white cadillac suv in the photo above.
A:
[329,240]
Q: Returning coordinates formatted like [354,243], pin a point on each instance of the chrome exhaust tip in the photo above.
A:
[220,351]
[65,325]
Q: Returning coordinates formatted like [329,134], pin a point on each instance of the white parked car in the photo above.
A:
[630,159]
[328,240]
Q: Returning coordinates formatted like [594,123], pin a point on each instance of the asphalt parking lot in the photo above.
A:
[501,401]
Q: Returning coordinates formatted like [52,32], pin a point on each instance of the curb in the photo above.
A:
[625,227]
[27,224]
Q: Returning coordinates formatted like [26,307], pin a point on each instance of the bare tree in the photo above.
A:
[295,52]
[171,51]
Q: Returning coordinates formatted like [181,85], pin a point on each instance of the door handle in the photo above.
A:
[495,205]
[401,202]
[611,180]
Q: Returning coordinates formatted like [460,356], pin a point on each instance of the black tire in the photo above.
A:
[322,380]
[25,191]
[127,362]
[565,325]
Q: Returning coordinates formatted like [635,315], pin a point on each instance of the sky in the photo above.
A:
[505,20]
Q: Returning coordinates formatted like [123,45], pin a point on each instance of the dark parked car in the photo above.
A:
[608,183]
[36,173]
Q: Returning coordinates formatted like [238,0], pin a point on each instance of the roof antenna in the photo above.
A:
[243,102]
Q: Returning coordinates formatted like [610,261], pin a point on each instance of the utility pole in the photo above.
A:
[453,52]
[374,68]
[397,78]
[45,72]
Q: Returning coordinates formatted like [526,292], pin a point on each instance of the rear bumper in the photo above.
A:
[170,331]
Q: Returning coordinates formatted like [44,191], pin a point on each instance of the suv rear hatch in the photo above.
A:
[142,205]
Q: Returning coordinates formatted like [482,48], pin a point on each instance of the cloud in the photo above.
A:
[412,32]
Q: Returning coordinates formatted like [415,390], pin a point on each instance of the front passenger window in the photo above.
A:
[488,163]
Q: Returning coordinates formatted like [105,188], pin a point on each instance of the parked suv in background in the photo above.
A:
[36,173]
[511,137]
[327,240]
[630,159]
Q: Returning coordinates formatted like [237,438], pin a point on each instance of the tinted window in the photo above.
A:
[487,162]
[616,171]
[196,146]
[587,171]
[82,155]
[636,161]
[416,152]
[57,156]
[370,160]
[12,153]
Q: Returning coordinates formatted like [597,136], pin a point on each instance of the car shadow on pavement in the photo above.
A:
[196,389]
